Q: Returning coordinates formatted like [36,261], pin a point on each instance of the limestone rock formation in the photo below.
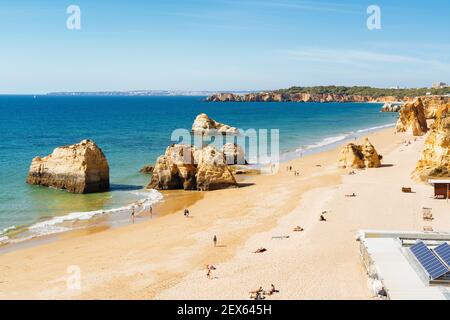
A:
[297,97]
[205,125]
[432,103]
[147,169]
[351,156]
[371,157]
[359,156]
[212,171]
[233,154]
[188,168]
[392,107]
[435,157]
[78,168]
[175,169]
[412,118]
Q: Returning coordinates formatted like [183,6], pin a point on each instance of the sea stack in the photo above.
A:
[77,168]
[392,107]
[185,167]
[412,118]
[205,125]
[435,159]
[212,171]
[359,156]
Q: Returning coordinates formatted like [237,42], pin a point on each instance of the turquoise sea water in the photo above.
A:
[133,131]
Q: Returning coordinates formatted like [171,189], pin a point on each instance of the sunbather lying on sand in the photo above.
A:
[257,296]
[322,218]
[353,195]
[298,229]
[260,250]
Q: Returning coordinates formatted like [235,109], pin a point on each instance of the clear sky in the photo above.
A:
[221,44]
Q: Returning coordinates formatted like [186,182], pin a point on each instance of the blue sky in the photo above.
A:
[221,44]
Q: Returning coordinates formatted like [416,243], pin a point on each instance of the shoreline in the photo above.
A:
[152,257]
[90,219]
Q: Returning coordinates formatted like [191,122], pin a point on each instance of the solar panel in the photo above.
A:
[432,265]
[443,251]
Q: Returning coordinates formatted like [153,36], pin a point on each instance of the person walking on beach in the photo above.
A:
[186,213]
[132,214]
[215,241]
[209,269]
[151,212]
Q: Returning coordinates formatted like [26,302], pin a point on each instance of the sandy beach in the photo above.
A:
[165,258]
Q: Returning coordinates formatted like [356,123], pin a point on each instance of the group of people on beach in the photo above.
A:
[260,293]
[296,172]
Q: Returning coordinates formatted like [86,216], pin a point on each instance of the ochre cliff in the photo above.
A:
[78,168]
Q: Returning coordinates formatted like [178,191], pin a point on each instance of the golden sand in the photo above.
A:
[165,258]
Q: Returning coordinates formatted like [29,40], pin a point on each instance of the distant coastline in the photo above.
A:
[323,94]
[144,93]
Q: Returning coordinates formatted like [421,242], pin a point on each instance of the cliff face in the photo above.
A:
[188,168]
[359,156]
[78,168]
[205,125]
[296,97]
[412,118]
[435,158]
[212,170]
[432,103]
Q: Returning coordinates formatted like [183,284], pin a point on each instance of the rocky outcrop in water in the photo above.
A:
[212,171]
[435,157]
[412,118]
[205,125]
[188,168]
[392,107]
[359,156]
[147,169]
[295,97]
[78,168]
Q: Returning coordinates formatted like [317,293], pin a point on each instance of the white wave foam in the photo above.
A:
[6,230]
[325,142]
[335,139]
[376,128]
[53,225]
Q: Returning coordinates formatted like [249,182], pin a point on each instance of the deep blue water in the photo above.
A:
[133,131]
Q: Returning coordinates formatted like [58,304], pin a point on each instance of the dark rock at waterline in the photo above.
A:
[147,169]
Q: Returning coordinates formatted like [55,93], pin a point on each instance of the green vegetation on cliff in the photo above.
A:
[366,91]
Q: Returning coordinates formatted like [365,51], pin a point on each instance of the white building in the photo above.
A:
[439,85]
[407,265]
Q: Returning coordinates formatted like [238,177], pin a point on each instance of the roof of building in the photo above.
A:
[402,275]
[442,180]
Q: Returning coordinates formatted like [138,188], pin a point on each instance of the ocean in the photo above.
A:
[132,132]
